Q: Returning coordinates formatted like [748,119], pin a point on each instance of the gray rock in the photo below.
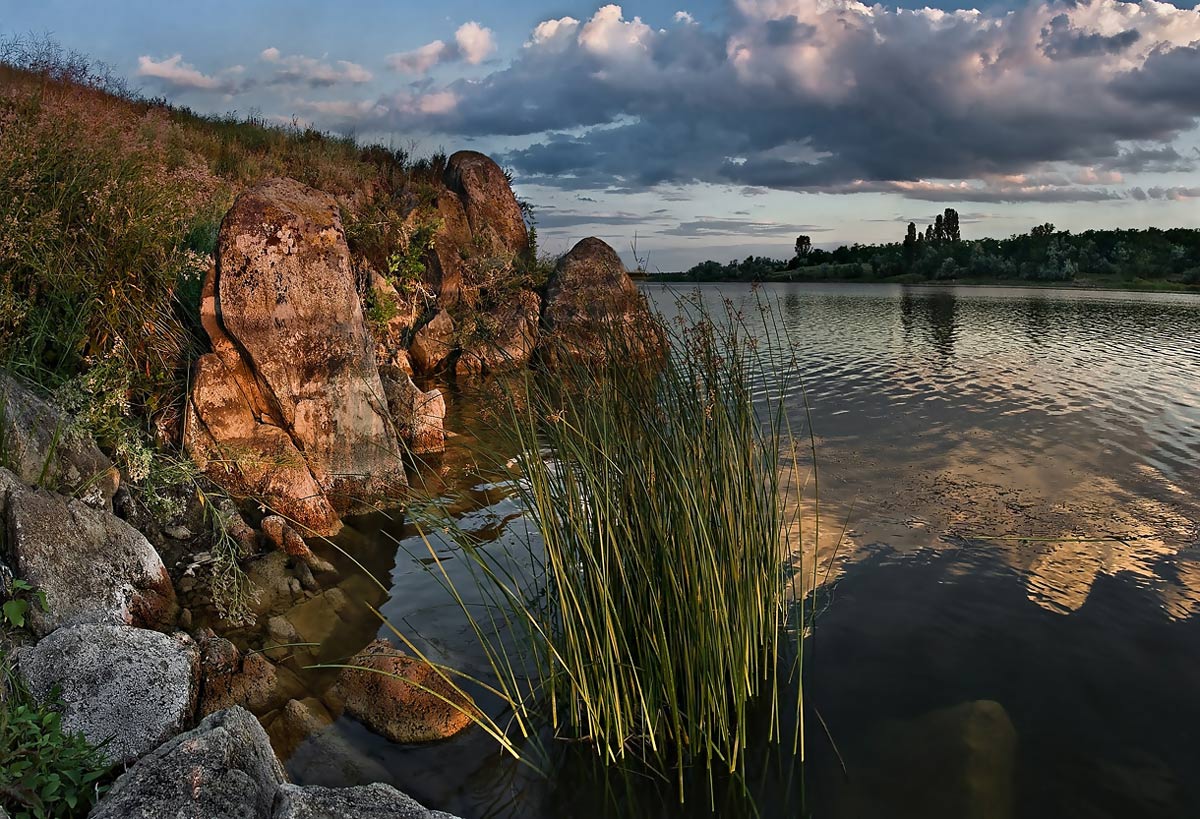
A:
[92,566]
[42,447]
[223,769]
[128,688]
[376,801]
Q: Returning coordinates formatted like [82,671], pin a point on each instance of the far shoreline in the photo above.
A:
[1100,286]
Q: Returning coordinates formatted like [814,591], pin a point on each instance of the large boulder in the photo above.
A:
[92,566]
[377,801]
[593,309]
[505,338]
[43,447]
[451,245]
[433,343]
[493,213]
[223,769]
[286,322]
[128,688]
[384,691]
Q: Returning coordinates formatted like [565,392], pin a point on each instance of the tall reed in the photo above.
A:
[652,611]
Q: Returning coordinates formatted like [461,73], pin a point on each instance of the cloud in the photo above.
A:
[472,45]
[712,226]
[176,75]
[296,69]
[835,95]
[1174,194]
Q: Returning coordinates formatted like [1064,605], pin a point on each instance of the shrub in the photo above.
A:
[45,771]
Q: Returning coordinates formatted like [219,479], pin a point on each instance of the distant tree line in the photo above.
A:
[939,253]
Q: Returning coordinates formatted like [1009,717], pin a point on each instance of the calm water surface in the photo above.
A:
[1009,623]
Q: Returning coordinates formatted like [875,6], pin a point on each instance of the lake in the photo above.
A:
[1009,550]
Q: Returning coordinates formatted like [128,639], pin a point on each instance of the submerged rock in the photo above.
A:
[304,735]
[957,761]
[128,689]
[253,681]
[223,769]
[92,566]
[287,540]
[294,377]
[593,309]
[382,693]
[376,801]
[42,447]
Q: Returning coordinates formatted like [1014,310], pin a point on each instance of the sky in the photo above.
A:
[697,129]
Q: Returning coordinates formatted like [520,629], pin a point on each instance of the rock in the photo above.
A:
[593,309]
[506,338]
[295,371]
[178,532]
[249,458]
[957,761]
[270,576]
[284,538]
[92,566]
[380,692]
[223,769]
[419,414]
[377,801]
[493,213]
[433,343]
[42,446]
[304,735]
[387,300]
[128,688]
[446,263]
[255,683]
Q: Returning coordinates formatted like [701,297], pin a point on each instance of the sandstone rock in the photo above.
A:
[223,769]
[387,299]
[42,447]
[254,683]
[419,414]
[446,263]
[128,688]
[433,343]
[295,379]
[507,340]
[380,693]
[284,538]
[249,458]
[492,211]
[377,801]
[92,566]
[593,309]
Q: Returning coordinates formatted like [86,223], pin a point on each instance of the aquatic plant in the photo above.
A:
[654,606]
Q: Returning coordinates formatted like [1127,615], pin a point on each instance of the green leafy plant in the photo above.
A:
[46,772]
[21,596]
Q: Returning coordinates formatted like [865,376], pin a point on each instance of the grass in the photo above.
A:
[653,613]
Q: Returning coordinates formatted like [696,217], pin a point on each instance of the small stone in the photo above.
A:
[178,532]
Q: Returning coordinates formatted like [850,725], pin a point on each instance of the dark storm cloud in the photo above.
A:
[834,96]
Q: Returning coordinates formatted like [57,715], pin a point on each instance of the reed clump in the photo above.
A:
[652,611]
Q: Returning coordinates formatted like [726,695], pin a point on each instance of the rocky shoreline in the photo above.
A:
[313,404]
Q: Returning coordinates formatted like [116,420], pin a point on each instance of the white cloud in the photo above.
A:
[174,73]
[475,43]
[418,61]
[301,70]
[684,17]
